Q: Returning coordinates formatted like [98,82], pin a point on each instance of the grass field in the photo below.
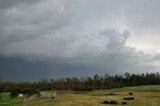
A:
[5,100]
[144,96]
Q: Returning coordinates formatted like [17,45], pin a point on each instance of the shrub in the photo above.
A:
[30,91]
[1,90]
[14,92]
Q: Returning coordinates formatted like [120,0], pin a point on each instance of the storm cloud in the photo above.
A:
[96,36]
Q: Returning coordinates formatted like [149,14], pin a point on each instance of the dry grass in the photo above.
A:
[143,97]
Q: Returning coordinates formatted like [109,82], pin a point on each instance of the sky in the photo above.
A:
[43,39]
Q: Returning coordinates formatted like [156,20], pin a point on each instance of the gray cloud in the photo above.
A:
[5,4]
[104,51]
[143,13]
[139,14]
[28,21]
[86,33]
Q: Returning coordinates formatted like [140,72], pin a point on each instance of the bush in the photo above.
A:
[15,92]
[28,91]
[1,90]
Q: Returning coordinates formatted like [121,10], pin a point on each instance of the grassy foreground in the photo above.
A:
[144,96]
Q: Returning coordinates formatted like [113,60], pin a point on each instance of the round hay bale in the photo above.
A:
[130,93]
[124,103]
[128,98]
[105,102]
[113,102]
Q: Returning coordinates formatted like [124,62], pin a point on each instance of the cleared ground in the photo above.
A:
[144,96]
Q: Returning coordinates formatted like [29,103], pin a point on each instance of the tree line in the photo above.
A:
[85,84]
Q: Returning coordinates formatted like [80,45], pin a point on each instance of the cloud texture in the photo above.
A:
[86,33]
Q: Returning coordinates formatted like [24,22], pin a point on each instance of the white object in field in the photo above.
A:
[20,95]
[48,94]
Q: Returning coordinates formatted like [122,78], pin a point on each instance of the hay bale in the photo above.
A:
[113,102]
[124,103]
[111,94]
[105,102]
[131,98]
[128,98]
[130,93]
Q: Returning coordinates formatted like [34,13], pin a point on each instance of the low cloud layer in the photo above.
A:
[81,33]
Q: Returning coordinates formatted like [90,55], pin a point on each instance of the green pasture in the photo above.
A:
[144,96]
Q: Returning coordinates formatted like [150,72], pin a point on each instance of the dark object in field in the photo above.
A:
[109,102]
[130,93]
[112,102]
[124,103]
[105,102]
[52,97]
[128,98]
[108,94]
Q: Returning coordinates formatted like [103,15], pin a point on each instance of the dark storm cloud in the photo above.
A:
[71,34]
[20,70]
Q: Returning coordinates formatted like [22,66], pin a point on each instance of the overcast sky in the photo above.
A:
[61,38]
